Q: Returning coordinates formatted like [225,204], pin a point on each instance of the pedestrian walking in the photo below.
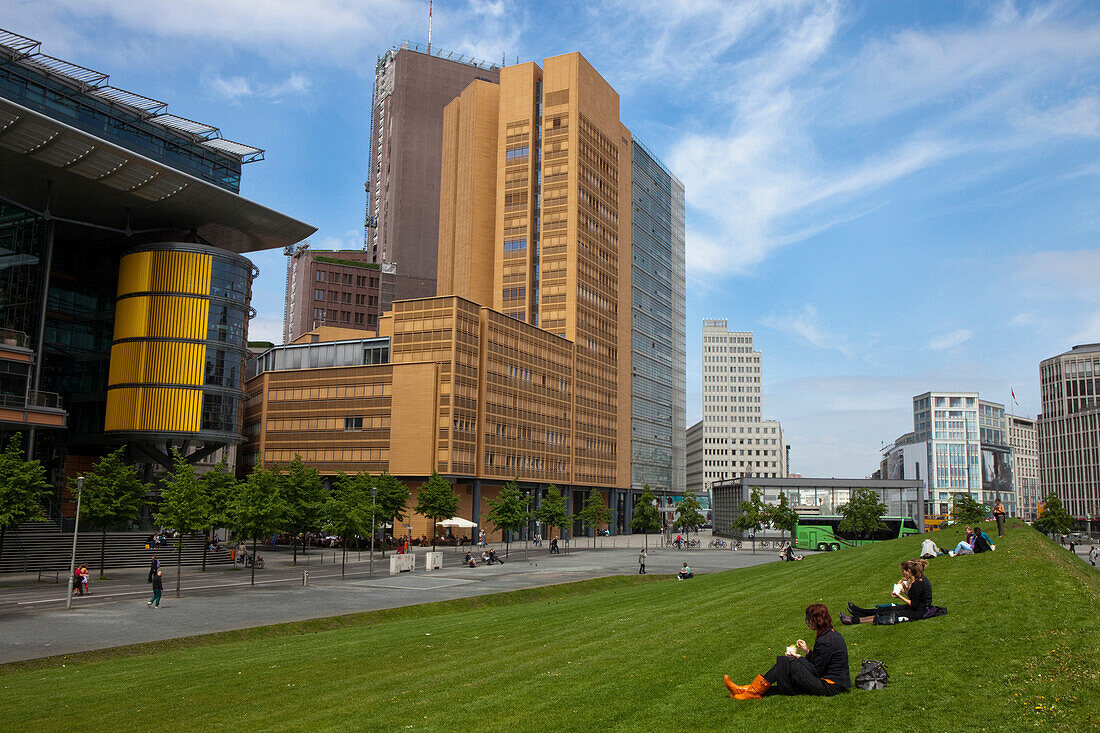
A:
[1093,554]
[641,561]
[84,577]
[999,515]
[78,581]
[1072,547]
[158,588]
[154,566]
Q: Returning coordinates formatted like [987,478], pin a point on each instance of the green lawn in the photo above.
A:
[1020,649]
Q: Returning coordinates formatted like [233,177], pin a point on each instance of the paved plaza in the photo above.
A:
[34,622]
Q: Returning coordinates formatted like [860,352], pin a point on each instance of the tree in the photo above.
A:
[257,509]
[304,494]
[183,505]
[689,514]
[594,513]
[436,500]
[347,510]
[112,494]
[551,511]
[965,509]
[219,486]
[393,497]
[782,515]
[1053,519]
[753,514]
[645,518]
[862,513]
[23,488]
[508,512]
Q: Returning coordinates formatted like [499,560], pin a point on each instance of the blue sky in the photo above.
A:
[895,197]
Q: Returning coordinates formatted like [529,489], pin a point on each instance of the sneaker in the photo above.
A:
[847,620]
[149,604]
[951,553]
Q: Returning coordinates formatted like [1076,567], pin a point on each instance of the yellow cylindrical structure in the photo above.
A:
[179,344]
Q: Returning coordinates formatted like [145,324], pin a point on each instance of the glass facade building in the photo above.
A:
[658,451]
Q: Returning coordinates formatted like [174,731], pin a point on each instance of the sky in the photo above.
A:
[894,197]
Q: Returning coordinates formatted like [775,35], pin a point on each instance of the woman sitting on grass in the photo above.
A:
[823,671]
[915,596]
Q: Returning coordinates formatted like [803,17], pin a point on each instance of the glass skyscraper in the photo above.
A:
[658,451]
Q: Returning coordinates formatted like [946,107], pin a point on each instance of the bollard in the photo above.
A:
[305,578]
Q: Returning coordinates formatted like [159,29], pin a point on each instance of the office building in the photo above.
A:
[330,288]
[1023,438]
[736,440]
[959,444]
[124,295]
[411,88]
[523,361]
[1069,429]
[695,471]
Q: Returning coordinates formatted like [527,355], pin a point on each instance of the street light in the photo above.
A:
[373,504]
[72,559]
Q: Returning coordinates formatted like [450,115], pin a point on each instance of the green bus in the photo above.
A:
[821,533]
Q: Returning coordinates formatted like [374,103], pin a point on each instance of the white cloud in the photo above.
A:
[805,325]
[950,340]
[1023,319]
[1077,118]
[1089,333]
[1061,275]
[233,87]
[239,87]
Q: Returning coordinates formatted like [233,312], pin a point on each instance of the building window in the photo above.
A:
[319,276]
[353,423]
[318,294]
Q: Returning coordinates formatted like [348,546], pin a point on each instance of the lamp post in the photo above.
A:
[72,559]
[373,505]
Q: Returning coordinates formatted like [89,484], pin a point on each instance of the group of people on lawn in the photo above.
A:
[823,668]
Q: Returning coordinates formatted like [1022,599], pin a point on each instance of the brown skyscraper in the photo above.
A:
[410,91]
[558,255]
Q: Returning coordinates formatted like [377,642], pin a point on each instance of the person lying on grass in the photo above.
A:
[822,671]
[915,594]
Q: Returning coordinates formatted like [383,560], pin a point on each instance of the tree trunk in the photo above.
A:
[205,545]
[3,531]
[344,556]
[254,562]
[294,544]
[179,562]
[102,552]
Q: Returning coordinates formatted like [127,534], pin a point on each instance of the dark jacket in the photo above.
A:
[829,658]
[154,566]
[981,542]
[920,598]
[158,582]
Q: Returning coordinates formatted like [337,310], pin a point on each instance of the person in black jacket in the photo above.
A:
[822,671]
[915,603]
[154,566]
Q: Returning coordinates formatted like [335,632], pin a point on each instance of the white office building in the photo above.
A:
[1023,438]
[733,439]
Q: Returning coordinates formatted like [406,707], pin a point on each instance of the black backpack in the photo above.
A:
[872,675]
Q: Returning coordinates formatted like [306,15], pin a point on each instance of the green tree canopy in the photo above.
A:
[347,510]
[183,505]
[219,486]
[23,488]
[304,495]
[258,509]
[782,515]
[753,513]
[645,517]
[393,497]
[509,511]
[594,512]
[1053,519]
[862,513]
[689,513]
[551,511]
[113,494]
[436,500]
[965,509]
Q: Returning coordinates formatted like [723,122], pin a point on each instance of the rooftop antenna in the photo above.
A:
[429,27]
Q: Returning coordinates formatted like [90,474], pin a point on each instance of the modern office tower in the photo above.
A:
[658,450]
[1023,438]
[124,298]
[1069,429]
[330,288]
[695,458]
[411,88]
[561,239]
[737,440]
[959,444]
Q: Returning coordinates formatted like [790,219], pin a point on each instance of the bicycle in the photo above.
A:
[693,543]
[717,544]
[764,544]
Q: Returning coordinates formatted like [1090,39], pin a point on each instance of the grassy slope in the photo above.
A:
[1018,650]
